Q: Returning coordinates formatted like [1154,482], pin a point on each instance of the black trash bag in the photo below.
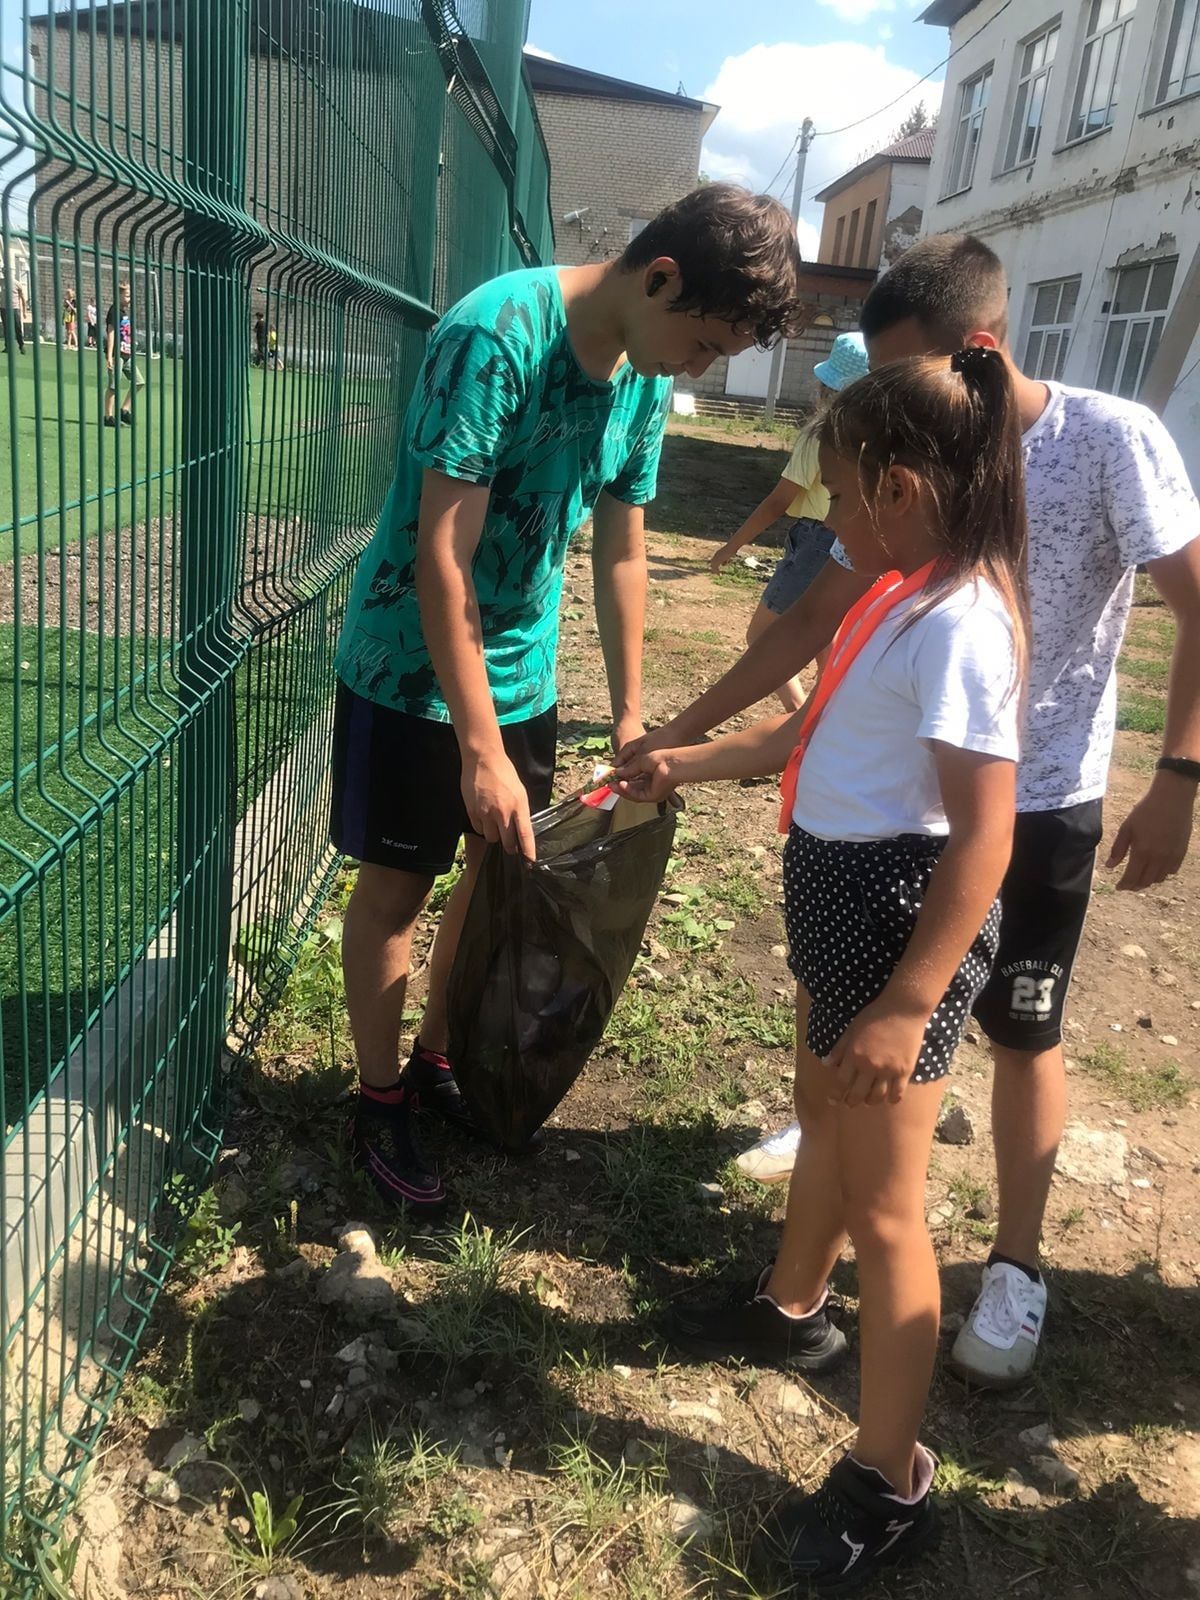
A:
[545,951]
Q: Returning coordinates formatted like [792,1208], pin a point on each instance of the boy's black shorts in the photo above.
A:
[1043,904]
[397,797]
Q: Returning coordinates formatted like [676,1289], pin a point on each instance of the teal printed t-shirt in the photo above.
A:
[501,400]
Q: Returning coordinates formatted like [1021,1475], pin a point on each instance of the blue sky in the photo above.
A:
[767,63]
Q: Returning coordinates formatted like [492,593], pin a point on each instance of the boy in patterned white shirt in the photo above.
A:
[1106,492]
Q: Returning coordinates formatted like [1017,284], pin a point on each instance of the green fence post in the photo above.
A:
[214,363]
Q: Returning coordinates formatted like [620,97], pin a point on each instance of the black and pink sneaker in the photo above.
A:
[387,1149]
[429,1075]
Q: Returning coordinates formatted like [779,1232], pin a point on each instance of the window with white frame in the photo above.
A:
[1095,104]
[1137,312]
[1181,59]
[1050,322]
[972,104]
[1029,107]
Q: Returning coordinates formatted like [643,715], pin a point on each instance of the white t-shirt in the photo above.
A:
[869,772]
[1105,490]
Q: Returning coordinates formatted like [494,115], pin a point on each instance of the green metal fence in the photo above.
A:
[183,494]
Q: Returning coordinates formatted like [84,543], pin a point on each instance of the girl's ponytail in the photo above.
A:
[991,535]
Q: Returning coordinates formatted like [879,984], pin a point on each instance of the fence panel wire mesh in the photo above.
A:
[225,228]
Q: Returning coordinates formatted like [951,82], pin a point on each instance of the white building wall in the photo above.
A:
[1127,194]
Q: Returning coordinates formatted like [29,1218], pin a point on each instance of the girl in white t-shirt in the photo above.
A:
[899,804]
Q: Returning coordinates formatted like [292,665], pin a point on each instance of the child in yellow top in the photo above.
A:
[800,495]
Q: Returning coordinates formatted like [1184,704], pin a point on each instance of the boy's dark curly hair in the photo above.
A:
[737,255]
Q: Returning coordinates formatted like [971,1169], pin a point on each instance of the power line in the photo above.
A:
[827,133]
[790,152]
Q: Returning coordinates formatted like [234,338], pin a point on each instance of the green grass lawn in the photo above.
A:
[82,474]
[104,712]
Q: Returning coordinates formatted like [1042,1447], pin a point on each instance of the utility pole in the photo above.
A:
[779,353]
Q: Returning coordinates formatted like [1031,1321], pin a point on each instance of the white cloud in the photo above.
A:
[857,10]
[546,55]
[766,92]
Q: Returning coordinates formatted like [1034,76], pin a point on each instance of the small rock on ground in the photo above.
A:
[279,1587]
[687,1522]
[1092,1156]
[698,1411]
[956,1127]
[1041,1438]
[189,1449]
[795,1402]
[162,1489]
[1055,1474]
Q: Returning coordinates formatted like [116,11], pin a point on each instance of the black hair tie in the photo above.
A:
[975,358]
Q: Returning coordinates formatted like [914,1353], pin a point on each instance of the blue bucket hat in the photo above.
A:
[845,363]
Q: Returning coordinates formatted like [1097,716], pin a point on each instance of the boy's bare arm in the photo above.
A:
[780,651]
[619,577]
[449,530]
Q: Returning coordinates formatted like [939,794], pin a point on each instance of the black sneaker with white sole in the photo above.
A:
[388,1150]
[430,1076]
[851,1529]
[749,1326]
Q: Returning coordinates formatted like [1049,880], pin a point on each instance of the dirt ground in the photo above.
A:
[504,1417]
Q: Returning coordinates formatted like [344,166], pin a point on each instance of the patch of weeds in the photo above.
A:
[595,739]
[634,1179]
[1151,1435]
[591,1492]
[474,1309]
[967,1191]
[773,1027]
[378,1479]
[1140,713]
[1153,670]
[1073,1217]
[312,1007]
[31,1548]
[453,1517]
[762,1199]
[274,1533]
[739,576]
[686,928]
[1145,1090]
[742,890]
[445,887]
[208,1242]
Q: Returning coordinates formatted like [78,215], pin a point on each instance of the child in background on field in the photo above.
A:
[91,324]
[798,494]
[70,318]
[899,805]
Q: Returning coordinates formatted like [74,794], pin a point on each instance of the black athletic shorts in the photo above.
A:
[1043,904]
[397,796]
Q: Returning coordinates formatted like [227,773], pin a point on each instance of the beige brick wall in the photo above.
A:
[622,159]
[293,187]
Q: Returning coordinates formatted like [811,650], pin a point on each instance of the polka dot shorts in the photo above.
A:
[850,910]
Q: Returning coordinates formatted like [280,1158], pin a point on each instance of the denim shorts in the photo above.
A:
[808,545]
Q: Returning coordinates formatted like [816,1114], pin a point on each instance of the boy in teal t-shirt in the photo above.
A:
[542,400]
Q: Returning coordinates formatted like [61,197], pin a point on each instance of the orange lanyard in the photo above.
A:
[858,625]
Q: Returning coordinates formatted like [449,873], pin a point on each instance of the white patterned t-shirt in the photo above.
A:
[1105,491]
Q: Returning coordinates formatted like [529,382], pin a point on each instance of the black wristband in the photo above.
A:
[1181,765]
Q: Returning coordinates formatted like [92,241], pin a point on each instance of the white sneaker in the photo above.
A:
[772,1159]
[999,1340]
